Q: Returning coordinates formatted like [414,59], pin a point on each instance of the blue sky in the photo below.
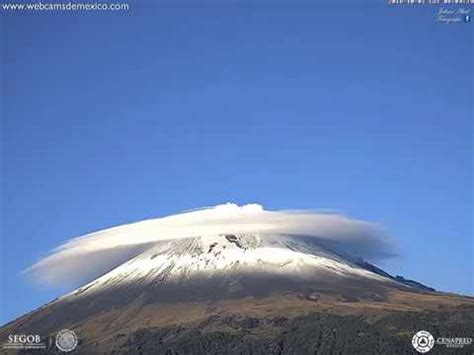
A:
[110,118]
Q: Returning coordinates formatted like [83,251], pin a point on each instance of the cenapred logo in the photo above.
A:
[66,340]
[423,341]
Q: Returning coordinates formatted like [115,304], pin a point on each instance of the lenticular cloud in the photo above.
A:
[91,255]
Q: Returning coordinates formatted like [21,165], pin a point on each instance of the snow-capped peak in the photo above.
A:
[228,255]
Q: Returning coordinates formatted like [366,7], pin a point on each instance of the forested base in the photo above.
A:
[313,334]
[317,333]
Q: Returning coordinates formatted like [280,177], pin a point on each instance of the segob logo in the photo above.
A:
[24,341]
[423,341]
[66,340]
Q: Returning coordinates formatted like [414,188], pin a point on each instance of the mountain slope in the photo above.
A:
[187,282]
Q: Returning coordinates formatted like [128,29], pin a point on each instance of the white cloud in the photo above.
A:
[91,255]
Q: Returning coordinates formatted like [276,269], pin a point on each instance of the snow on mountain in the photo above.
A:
[228,255]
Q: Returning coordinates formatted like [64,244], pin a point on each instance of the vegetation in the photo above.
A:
[313,334]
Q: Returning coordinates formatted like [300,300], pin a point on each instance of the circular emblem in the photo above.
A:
[423,341]
[66,340]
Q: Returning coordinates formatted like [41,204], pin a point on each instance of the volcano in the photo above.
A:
[242,293]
